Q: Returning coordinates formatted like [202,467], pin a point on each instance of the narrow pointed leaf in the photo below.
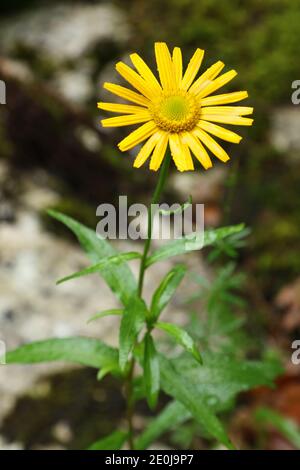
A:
[151,371]
[99,267]
[165,291]
[208,389]
[87,351]
[133,320]
[286,426]
[177,387]
[187,244]
[112,442]
[181,337]
[172,415]
[119,278]
[106,313]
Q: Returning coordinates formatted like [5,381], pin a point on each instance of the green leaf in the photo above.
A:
[119,278]
[180,209]
[133,320]
[151,371]
[165,291]
[181,337]
[175,384]
[112,442]
[106,313]
[187,244]
[287,427]
[99,267]
[172,415]
[87,351]
[206,390]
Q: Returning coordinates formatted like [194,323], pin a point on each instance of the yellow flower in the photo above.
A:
[177,110]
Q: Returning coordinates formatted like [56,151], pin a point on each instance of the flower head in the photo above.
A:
[178,110]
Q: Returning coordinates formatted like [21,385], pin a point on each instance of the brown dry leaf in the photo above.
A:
[288,301]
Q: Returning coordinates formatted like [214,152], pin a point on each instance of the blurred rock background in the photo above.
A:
[54,56]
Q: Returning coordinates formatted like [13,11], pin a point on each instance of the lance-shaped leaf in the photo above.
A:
[206,390]
[165,291]
[172,415]
[176,386]
[286,426]
[119,278]
[102,265]
[151,371]
[191,243]
[106,313]
[86,351]
[133,320]
[181,337]
[112,442]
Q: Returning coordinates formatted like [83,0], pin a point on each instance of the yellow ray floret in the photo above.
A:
[176,108]
[177,65]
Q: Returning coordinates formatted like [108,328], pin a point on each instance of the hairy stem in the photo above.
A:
[155,199]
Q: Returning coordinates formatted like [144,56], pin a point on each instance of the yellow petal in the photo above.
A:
[128,120]
[126,93]
[176,151]
[145,72]
[224,98]
[211,144]
[217,83]
[177,64]
[120,108]
[227,110]
[189,165]
[192,69]
[207,77]
[219,131]
[228,119]
[146,150]
[197,149]
[159,151]
[135,80]
[164,65]
[137,136]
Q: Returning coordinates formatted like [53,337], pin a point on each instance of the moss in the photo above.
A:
[259,38]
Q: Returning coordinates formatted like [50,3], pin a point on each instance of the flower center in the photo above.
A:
[176,113]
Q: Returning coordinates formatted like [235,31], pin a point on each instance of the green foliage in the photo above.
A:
[151,371]
[133,320]
[230,245]
[181,337]
[190,243]
[186,391]
[205,390]
[87,351]
[218,326]
[165,291]
[202,386]
[264,46]
[287,427]
[172,415]
[106,313]
[119,278]
[102,266]
[114,441]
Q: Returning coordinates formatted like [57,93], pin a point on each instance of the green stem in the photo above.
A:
[155,199]
[130,403]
